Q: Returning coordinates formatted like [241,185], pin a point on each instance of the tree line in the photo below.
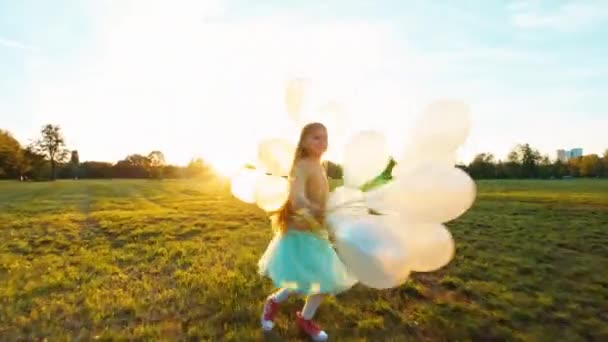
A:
[48,158]
[525,161]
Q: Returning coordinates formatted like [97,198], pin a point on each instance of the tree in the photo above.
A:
[523,162]
[482,166]
[35,163]
[133,166]
[574,166]
[591,166]
[605,163]
[512,168]
[530,159]
[559,169]
[172,171]
[333,170]
[75,159]
[52,145]
[545,168]
[501,170]
[156,162]
[514,156]
[12,162]
[75,164]
[197,168]
[93,169]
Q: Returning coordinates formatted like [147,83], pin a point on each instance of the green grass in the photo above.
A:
[177,260]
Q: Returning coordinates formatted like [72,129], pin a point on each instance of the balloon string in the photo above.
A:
[346,205]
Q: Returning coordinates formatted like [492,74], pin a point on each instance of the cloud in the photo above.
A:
[570,16]
[9,43]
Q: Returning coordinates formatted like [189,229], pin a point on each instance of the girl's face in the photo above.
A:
[316,142]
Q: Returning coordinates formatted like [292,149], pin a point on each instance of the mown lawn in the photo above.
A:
[177,260]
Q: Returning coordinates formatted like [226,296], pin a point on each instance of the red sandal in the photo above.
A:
[311,328]
[271,308]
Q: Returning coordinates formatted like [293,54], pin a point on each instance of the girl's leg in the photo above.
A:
[310,307]
[281,295]
[271,307]
[305,321]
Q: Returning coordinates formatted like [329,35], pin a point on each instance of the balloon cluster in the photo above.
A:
[407,232]
[266,185]
[382,234]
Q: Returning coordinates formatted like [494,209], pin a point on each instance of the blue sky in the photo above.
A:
[194,75]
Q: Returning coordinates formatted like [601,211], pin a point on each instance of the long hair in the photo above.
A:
[282,215]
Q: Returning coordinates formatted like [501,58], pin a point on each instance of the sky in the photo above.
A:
[207,77]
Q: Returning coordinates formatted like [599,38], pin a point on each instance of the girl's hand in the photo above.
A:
[305,216]
[316,209]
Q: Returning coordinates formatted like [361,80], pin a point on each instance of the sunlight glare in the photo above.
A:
[215,88]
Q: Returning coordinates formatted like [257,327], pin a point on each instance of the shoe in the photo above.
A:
[310,328]
[269,313]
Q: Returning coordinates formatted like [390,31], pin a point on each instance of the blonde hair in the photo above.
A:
[282,215]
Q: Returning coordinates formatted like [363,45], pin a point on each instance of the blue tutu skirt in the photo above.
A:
[306,263]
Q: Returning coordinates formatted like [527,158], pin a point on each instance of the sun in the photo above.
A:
[227,161]
[225,168]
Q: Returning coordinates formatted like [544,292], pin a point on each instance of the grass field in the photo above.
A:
[176,260]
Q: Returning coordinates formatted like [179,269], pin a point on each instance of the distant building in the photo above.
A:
[565,155]
[562,155]
[576,152]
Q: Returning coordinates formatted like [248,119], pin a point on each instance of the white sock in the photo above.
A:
[281,295]
[311,306]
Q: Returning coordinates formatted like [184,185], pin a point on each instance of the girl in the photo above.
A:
[300,259]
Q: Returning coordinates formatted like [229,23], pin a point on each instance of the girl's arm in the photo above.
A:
[298,191]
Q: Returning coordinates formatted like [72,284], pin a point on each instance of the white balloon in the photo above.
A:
[430,246]
[417,157]
[276,156]
[342,198]
[431,192]
[371,251]
[331,114]
[271,192]
[383,199]
[437,135]
[405,167]
[243,183]
[365,157]
[294,97]
[314,101]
